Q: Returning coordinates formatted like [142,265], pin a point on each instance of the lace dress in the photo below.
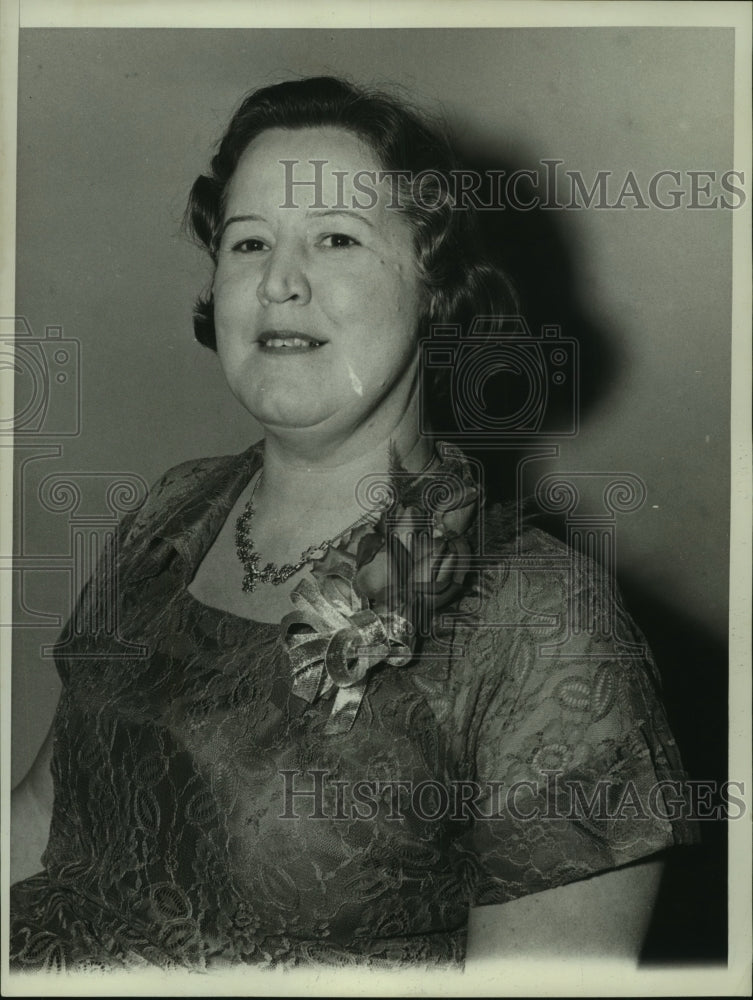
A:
[202,816]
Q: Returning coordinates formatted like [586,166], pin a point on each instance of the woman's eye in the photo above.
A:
[249,246]
[339,240]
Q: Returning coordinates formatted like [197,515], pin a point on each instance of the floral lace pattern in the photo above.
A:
[205,816]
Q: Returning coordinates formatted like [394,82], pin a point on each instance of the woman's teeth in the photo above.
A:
[291,342]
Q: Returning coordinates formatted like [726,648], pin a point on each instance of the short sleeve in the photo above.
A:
[575,767]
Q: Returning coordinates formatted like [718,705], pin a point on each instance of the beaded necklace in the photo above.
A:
[272,573]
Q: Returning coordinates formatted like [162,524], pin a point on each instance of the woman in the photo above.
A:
[343,736]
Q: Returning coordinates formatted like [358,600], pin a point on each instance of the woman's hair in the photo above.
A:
[461,282]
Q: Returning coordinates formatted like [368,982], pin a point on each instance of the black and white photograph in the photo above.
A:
[376,499]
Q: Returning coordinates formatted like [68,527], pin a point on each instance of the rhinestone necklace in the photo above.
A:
[271,573]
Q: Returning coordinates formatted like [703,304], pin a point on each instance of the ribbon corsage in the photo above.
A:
[370,599]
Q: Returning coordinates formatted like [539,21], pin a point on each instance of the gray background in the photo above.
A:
[115,124]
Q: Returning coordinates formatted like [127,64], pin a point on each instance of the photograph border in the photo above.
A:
[493,977]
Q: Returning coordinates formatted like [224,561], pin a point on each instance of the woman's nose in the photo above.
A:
[284,278]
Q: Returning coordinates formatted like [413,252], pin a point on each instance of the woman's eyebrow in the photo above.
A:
[321,213]
[241,218]
[349,213]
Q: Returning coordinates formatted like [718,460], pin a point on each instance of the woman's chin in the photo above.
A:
[290,415]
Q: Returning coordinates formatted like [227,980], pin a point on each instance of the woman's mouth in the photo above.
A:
[288,340]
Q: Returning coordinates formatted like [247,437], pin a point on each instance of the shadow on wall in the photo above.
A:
[690,920]
[533,248]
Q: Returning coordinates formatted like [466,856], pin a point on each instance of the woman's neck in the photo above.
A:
[309,492]
[298,483]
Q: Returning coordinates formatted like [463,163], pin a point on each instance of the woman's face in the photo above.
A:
[316,299]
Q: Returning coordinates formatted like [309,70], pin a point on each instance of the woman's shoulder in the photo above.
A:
[191,475]
[195,480]
[542,621]
[523,567]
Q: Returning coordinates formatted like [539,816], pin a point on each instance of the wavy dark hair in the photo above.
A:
[461,281]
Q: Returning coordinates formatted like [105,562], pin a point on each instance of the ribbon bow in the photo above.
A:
[347,639]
